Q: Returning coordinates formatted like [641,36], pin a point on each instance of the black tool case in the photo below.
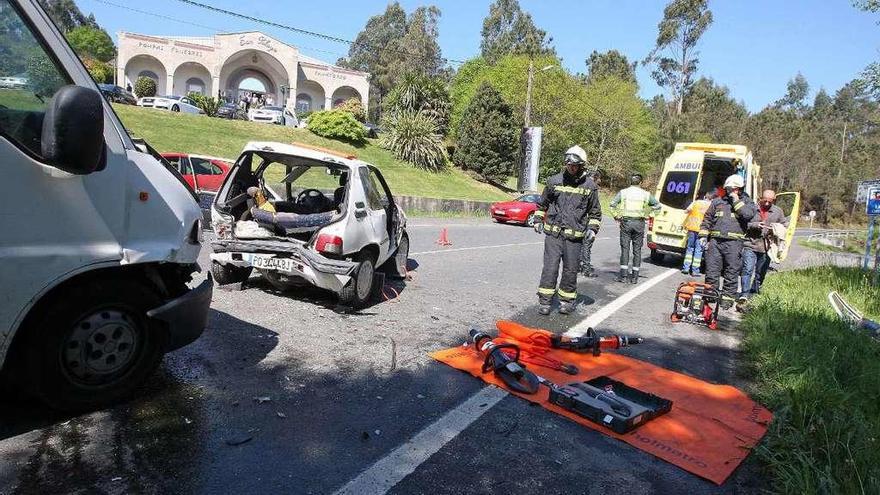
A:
[610,403]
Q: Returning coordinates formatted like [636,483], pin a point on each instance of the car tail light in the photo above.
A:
[650,224]
[327,243]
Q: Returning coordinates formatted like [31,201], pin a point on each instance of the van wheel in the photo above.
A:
[656,256]
[396,265]
[93,345]
[229,274]
[359,290]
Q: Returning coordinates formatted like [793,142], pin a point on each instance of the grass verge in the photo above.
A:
[169,132]
[821,379]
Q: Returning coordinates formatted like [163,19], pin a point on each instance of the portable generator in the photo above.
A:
[697,303]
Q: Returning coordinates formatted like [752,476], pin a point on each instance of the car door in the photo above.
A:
[208,175]
[377,216]
[394,220]
[790,203]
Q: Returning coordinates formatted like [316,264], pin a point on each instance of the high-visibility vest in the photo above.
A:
[695,215]
[634,203]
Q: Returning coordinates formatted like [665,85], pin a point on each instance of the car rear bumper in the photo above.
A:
[186,316]
[316,269]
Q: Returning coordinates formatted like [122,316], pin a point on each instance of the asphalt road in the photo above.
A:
[315,395]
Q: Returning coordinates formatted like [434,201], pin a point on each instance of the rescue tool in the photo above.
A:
[696,303]
[608,402]
[538,337]
[505,365]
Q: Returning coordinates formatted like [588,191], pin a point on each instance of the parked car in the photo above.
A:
[231,111]
[520,210]
[373,130]
[332,240]
[13,82]
[173,103]
[100,271]
[202,173]
[116,94]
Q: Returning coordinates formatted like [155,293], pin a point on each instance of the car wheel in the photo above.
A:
[229,273]
[93,345]
[358,292]
[396,265]
[656,256]
[530,220]
[175,108]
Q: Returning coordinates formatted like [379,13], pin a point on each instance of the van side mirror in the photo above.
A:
[73,131]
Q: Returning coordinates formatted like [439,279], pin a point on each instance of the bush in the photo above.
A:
[487,136]
[415,137]
[207,104]
[144,86]
[424,94]
[337,124]
[354,107]
[101,72]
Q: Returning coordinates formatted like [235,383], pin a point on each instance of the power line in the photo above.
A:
[202,26]
[298,30]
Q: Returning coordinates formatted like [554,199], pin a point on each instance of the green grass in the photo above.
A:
[850,244]
[167,131]
[821,379]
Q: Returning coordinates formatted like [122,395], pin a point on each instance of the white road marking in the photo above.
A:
[609,309]
[439,226]
[453,250]
[403,460]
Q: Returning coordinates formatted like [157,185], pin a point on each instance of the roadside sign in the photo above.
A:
[863,188]
[873,201]
[812,217]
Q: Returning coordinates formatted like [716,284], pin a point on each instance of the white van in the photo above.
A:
[100,240]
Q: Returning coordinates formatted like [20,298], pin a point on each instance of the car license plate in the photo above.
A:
[499,212]
[268,263]
[667,240]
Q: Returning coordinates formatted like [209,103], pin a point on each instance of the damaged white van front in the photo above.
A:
[100,239]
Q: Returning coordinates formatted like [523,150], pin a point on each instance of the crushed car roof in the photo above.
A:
[304,151]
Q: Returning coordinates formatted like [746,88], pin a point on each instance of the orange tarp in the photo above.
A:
[709,431]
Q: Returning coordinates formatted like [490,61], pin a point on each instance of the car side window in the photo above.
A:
[216,170]
[374,199]
[201,166]
[174,160]
[24,58]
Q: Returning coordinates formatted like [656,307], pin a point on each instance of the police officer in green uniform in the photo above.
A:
[568,213]
[631,207]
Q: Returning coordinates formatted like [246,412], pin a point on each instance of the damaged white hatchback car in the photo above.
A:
[297,213]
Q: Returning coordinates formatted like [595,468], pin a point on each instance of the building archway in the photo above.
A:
[192,77]
[257,65]
[146,66]
[343,94]
[311,92]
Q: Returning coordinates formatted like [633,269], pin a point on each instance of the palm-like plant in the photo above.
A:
[414,136]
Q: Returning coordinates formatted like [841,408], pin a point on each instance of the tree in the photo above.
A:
[354,107]
[90,42]
[611,63]
[391,45]
[101,72]
[414,137]
[207,104]
[507,30]
[67,15]
[675,54]
[712,115]
[43,77]
[488,136]
[422,94]
[144,86]
[796,94]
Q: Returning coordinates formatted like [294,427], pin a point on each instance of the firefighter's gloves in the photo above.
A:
[703,242]
[539,227]
[590,235]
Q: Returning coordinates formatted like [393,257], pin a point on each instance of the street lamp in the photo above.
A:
[528,116]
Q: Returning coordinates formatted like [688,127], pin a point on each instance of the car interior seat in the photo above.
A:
[339,193]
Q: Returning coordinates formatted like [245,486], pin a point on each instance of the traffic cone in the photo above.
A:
[444,238]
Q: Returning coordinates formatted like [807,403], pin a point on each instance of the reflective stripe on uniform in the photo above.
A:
[546,292]
[703,233]
[573,190]
[732,235]
[568,232]
[540,213]
[594,221]
[567,295]
[738,205]
[634,203]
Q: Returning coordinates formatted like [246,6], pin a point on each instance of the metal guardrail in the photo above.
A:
[835,234]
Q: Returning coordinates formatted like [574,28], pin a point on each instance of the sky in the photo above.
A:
[753,47]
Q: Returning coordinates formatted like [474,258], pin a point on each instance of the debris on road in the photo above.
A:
[238,439]
[281,414]
[261,400]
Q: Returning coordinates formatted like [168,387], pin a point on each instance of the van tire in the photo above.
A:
[656,256]
[359,291]
[86,315]
[229,273]
[395,266]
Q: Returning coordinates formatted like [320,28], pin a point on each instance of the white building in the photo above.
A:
[217,65]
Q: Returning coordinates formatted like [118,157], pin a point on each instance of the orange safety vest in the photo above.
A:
[695,215]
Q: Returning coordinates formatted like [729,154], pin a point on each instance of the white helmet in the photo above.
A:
[575,154]
[734,181]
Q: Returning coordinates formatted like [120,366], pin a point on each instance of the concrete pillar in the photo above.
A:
[169,86]
[328,101]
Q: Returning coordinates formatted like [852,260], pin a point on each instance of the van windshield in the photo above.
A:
[678,189]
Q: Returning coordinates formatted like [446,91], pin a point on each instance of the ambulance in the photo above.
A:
[692,170]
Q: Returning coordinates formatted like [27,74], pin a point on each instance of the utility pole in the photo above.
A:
[528,117]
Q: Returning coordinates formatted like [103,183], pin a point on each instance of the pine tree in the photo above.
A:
[487,136]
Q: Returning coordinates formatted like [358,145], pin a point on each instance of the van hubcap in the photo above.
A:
[101,344]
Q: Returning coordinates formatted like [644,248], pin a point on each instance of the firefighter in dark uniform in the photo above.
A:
[631,207]
[568,213]
[725,226]
[586,264]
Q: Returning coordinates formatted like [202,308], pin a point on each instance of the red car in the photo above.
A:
[520,210]
[209,172]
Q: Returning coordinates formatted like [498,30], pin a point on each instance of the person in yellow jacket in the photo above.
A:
[631,206]
[693,256]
